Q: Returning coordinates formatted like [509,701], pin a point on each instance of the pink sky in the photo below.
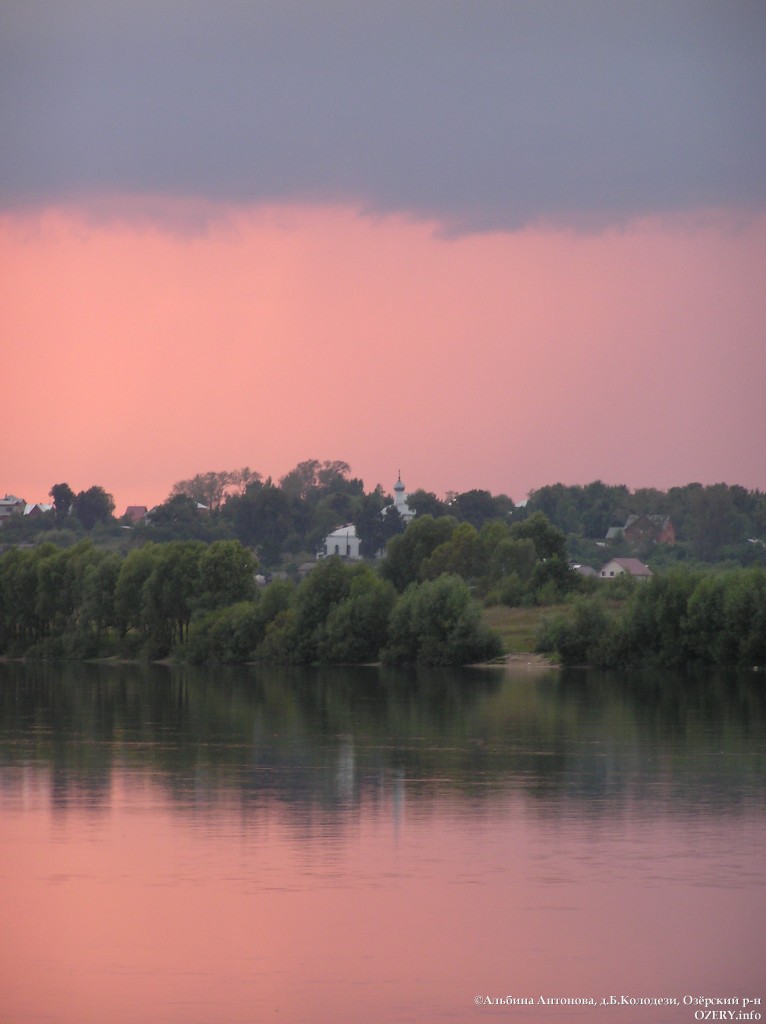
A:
[135,355]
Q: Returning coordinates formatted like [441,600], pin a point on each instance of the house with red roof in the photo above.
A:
[135,513]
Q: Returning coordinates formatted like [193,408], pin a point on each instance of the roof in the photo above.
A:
[346,532]
[631,565]
[658,519]
[136,512]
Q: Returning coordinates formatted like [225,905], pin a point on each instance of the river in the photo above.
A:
[330,846]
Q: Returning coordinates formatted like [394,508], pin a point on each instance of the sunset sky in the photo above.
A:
[491,243]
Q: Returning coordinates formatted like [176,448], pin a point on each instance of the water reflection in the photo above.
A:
[331,846]
[332,738]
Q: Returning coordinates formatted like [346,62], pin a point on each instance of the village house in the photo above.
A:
[37,509]
[583,570]
[10,505]
[644,529]
[135,513]
[618,566]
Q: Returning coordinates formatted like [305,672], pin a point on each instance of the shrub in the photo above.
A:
[227,636]
[438,623]
[357,628]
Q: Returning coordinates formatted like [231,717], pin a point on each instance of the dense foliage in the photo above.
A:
[514,564]
[200,603]
[712,524]
[680,617]
[75,582]
[285,522]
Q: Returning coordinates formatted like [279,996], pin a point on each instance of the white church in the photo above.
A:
[344,542]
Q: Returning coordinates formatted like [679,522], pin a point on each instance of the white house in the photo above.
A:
[11,505]
[632,566]
[343,542]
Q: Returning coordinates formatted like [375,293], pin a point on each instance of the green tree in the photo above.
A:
[438,623]
[552,579]
[264,518]
[478,507]
[704,620]
[578,638]
[549,541]
[407,551]
[425,503]
[22,625]
[169,594]
[718,521]
[63,499]
[93,506]
[369,524]
[310,480]
[513,556]
[654,619]
[227,575]
[456,555]
[357,626]
[325,586]
[210,489]
[744,634]
[490,536]
[180,518]
[227,635]
[60,586]
[99,590]
[135,570]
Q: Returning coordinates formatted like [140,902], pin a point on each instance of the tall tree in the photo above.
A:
[479,507]
[210,489]
[93,506]
[63,498]
[549,541]
[425,503]
[406,552]
[227,574]
[312,479]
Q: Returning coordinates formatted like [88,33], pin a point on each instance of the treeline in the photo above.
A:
[200,603]
[712,524]
[518,563]
[285,522]
[679,618]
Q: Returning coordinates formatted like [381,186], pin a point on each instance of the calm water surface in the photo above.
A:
[343,846]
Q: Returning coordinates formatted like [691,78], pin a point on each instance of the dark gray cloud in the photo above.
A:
[481,114]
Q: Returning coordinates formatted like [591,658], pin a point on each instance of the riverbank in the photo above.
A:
[518,627]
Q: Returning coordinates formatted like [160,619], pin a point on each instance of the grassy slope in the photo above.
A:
[518,626]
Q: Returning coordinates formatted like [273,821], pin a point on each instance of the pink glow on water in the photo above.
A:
[402,912]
